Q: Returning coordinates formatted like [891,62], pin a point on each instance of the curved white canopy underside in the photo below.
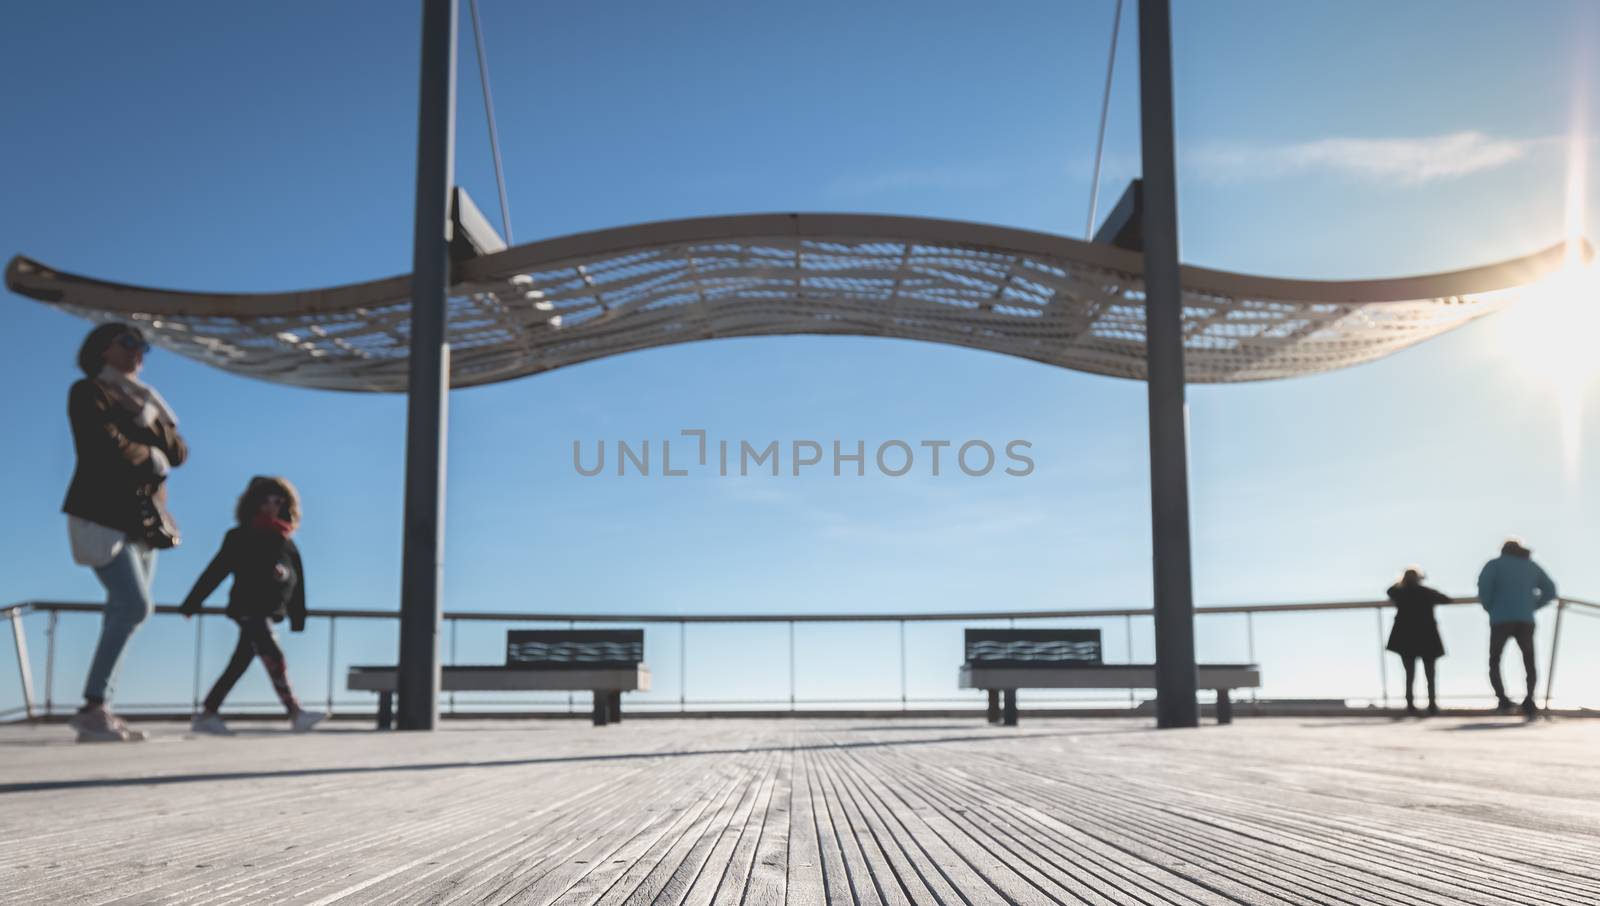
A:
[574,299]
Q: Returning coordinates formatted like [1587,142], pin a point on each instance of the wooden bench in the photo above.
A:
[607,662]
[1001,661]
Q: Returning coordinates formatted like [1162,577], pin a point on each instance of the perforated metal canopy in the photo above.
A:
[559,302]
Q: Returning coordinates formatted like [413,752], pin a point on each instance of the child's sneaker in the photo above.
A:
[303,721]
[129,734]
[209,723]
[97,725]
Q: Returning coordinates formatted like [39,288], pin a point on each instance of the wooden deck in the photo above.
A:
[1333,811]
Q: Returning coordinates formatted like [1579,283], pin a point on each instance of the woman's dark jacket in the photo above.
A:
[1415,633]
[268,580]
[114,464]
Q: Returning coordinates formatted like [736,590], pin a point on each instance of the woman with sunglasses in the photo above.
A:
[126,439]
[268,586]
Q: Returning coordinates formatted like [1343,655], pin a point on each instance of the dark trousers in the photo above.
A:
[256,639]
[1428,664]
[1499,633]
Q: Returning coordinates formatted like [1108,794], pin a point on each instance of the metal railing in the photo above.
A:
[30,708]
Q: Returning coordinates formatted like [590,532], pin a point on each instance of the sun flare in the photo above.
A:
[1553,333]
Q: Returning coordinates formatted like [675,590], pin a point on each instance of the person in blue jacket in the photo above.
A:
[1511,587]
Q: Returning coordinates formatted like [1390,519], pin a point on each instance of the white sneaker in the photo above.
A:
[209,723]
[129,734]
[97,725]
[304,721]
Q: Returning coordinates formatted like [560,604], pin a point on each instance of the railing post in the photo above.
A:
[683,667]
[791,665]
[1250,644]
[902,665]
[571,624]
[1383,654]
[1127,631]
[333,630]
[453,626]
[23,667]
[199,653]
[1555,645]
[50,663]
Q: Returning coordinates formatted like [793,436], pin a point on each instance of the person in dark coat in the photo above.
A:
[268,587]
[126,439]
[1415,635]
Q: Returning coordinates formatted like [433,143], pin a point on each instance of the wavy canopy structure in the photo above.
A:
[573,299]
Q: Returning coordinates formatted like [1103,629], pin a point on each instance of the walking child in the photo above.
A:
[268,585]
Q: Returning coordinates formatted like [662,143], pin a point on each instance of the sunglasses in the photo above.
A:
[132,343]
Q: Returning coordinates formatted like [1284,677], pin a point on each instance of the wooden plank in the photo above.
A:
[681,861]
[767,881]
[647,859]
[925,881]
[836,879]
[862,845]
[811,811]
[804,884]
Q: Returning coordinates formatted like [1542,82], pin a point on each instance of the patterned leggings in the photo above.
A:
[256,638]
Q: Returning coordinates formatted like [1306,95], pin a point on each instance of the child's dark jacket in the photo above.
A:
[268,580]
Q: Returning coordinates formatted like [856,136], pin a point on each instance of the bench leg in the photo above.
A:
[614,707]
[385,710]
[994,706]
[1011,708]
[1224,707]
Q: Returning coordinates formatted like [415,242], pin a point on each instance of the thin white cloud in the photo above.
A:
[1399,161]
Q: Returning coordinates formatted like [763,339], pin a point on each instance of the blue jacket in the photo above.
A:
[1511,588]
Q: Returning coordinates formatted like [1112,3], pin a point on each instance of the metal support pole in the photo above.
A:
[333,631]
[454,625]
[24,667]
[902,665]
[50,663]
[427,397]
[571,701]
[1176,679]
[1105,113]
[488,114]
[791,665]
[683,667]
[1549,673]
[199,657]
[1383,655]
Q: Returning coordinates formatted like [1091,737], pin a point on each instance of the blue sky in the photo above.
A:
[198,146]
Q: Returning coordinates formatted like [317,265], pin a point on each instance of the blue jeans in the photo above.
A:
[127,580]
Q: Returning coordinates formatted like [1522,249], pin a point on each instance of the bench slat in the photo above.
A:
[1102,676]
[511,679]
